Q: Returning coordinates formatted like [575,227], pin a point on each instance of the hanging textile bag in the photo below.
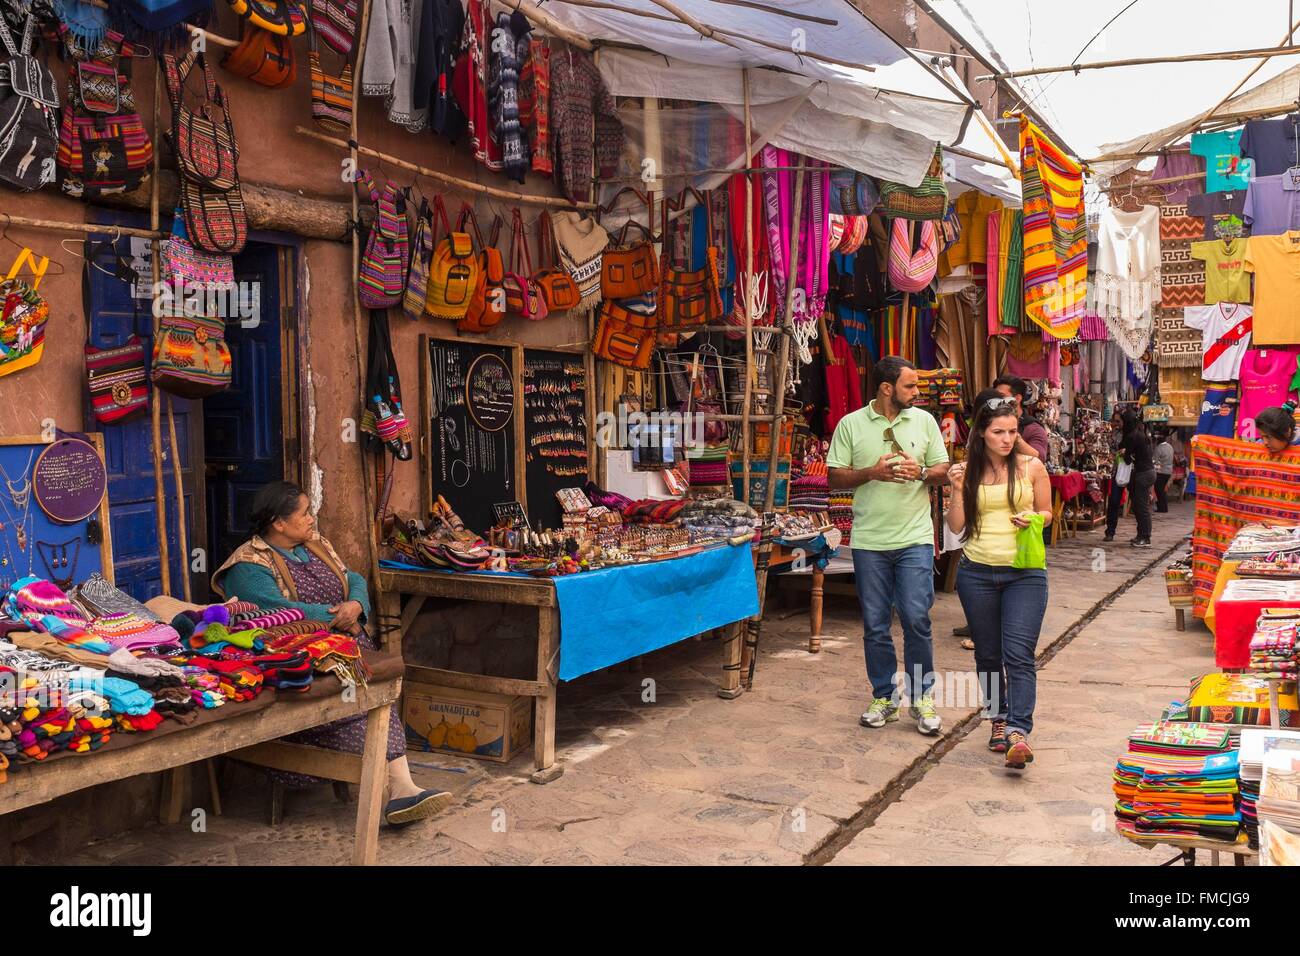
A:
[336,22]
[23,314]
[557,288]
[189,267]
[284,17]
[207,156]
[487,307]
[417,276]
[853,193]
[116,377]
[453,269]
[912,271]
[104,146]
[331,96]
[190,356]
[263,57]
[29,98]
[929,200]
[382,281]
[384,422]
[625,336]
[522,295]
[689,297]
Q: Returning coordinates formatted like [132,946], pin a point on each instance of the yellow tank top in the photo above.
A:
[996,542]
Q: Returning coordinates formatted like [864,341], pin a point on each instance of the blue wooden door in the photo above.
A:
[244,439]
[114,315]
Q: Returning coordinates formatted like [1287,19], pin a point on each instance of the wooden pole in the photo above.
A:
[1219,120]
[88,228]
[1142,183]
[733,641]
[464,184]
[1147,61]
[754,625]
[155,412]
[182,532]
[550,24]
[357,312]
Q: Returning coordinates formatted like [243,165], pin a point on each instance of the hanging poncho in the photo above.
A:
[1056,234]
[1128,275]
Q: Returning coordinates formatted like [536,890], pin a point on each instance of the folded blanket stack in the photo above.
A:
[1273,649]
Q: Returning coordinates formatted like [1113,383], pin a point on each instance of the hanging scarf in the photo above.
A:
[581,244]
[1055,233]
[776,216]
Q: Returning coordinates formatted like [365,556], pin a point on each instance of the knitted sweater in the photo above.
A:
[509,37]
[469,83]
[390,60]
[581,105]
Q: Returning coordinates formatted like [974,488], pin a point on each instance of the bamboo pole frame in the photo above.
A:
[182,530]
[1145,61]
[82,227]
[527,199]
[155,413]
[745,430]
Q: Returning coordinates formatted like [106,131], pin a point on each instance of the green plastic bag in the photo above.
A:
[1031,552]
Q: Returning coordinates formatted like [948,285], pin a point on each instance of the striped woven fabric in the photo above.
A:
[1055,234]
[335,21]
[331,96]
[271,619]
[1237,482]
[912,271]
[383,266]
[1011,263]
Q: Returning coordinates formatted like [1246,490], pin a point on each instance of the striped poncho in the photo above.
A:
[1055,234]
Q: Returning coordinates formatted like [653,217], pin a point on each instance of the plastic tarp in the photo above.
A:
[981,164]
[883,133]
[616,614]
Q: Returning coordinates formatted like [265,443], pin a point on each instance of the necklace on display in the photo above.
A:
[20,492]
[20,525]
[57,560]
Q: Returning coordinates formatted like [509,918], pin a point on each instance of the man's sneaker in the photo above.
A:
[963,631]
[1018,752]
[882,711]
[998,739]
[1108,538]
[1140,543]
[927,718]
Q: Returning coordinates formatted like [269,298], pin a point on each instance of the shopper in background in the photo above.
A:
[890,454]
[996,491]
[1033,434]
[1163,456]
[1134,448]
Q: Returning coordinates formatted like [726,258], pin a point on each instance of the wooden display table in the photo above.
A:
[246,731]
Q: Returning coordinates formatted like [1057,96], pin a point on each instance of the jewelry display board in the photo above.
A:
[473,467]
[556,430]
[31,542]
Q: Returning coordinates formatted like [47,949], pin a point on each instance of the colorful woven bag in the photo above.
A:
[417,277]
[453,270]
[190,356]
[909,271]
[23,314]
[929,200]
[336,22]
[382,282]
[193,268]
[29,103]
[331,96]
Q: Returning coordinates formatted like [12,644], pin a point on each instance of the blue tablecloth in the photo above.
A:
[618,613]
[615,614]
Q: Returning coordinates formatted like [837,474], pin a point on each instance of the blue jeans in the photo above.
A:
[902,579]
[1005,608]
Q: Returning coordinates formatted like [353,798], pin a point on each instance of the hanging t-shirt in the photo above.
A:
[1225,337]
[1272,205]
[1226,278]
[1224,167]
[1174,163]
[1218,412]
[1265,383]
[1222,213]
[1271,145]
[1275,261]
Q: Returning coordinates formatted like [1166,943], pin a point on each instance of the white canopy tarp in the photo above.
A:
[988,173]
[883,121]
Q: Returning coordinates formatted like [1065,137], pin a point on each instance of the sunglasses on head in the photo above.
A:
[1001,402]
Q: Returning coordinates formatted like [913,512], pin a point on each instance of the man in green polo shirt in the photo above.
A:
[890,453]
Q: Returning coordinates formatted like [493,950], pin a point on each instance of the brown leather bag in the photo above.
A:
[629,271]
[263,57]
[689,297]
[556,286]
[624,337]
[487,307]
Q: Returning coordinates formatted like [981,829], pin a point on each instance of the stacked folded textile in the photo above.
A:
[1240,699]
[1256,744]
[707,469]
[45,608]
[652,511]
[841,511]
[130,630]
[1279,790]
[810,492]
[329,654]
[1273,649]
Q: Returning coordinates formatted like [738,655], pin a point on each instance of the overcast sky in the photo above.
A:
[1107,106]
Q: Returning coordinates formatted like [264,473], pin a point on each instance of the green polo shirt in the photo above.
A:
[888,515]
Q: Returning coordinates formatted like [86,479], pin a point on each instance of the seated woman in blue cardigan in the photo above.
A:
[287,564]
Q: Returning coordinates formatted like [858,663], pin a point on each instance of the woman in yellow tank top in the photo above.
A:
[995,491]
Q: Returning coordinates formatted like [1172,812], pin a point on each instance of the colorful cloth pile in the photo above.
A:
[1178,779]
[810,492]
[1272,649]
[1239,699]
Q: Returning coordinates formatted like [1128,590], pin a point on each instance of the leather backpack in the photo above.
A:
[487,307]
[263,57]
[453,269]
[29,132]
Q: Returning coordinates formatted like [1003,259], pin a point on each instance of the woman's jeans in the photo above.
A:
[1139,492]
[904,580]
[1005,608]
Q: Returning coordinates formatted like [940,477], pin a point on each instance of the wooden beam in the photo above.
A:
[482,683]
[768,8]
[703,29]
[210,37]
[155,412]
[464,184]
[549,23]
[1145,61]
[1142,183]
[89,228]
